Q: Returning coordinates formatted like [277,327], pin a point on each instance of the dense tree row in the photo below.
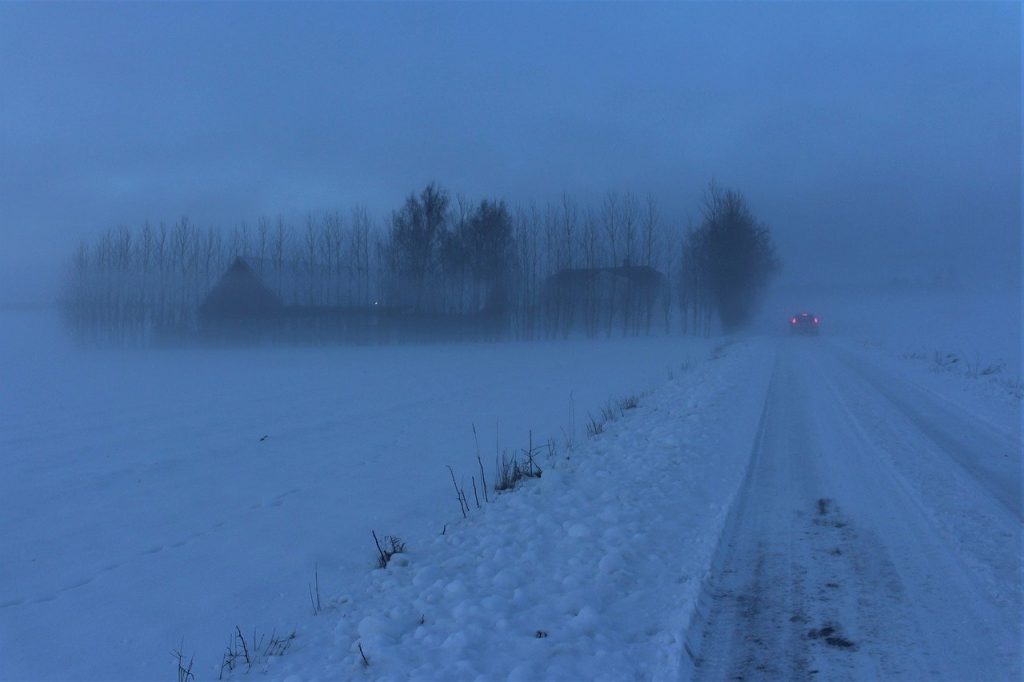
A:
[727,262]
[552,270]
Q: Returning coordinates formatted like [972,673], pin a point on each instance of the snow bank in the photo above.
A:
[591,572]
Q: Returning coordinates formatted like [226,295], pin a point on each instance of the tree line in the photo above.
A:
[610,267]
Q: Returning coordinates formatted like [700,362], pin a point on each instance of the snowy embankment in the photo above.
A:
[594,571]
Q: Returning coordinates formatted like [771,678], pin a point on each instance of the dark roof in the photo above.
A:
[635,273]
[240,292]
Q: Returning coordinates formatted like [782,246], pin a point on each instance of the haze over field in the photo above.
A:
[877,140]
[510,341]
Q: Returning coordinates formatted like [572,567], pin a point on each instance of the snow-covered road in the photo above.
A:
[877,534]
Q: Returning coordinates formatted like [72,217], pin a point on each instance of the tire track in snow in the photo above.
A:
[981,534]
[693,641]
[830,569]
[979,450]
[771,607]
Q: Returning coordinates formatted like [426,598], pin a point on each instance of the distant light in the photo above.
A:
[815,320]
[793,321]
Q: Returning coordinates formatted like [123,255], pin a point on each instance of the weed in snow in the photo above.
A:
[392,545]
[511,470]
[184,671]
[252,652]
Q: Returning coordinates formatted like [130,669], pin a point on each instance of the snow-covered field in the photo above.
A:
[156,499]
[144,510]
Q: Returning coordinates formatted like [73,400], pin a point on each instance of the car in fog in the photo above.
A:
[804,323]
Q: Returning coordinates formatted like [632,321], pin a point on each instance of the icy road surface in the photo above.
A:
[877,535]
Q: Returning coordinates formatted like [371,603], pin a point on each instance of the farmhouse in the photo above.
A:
[243,306]
[239,294]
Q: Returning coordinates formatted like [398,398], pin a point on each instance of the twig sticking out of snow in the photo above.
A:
[394,545]
[366,662]
[314,591]
[460,494]
[184,671]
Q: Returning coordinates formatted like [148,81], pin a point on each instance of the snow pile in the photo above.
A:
[591,572]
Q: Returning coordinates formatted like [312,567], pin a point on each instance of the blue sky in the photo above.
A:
[874,138]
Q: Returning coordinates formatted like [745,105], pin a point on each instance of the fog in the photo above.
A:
[579,311]
[878,141]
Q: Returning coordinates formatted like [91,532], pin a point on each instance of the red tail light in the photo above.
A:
[793,321]
[815,320]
